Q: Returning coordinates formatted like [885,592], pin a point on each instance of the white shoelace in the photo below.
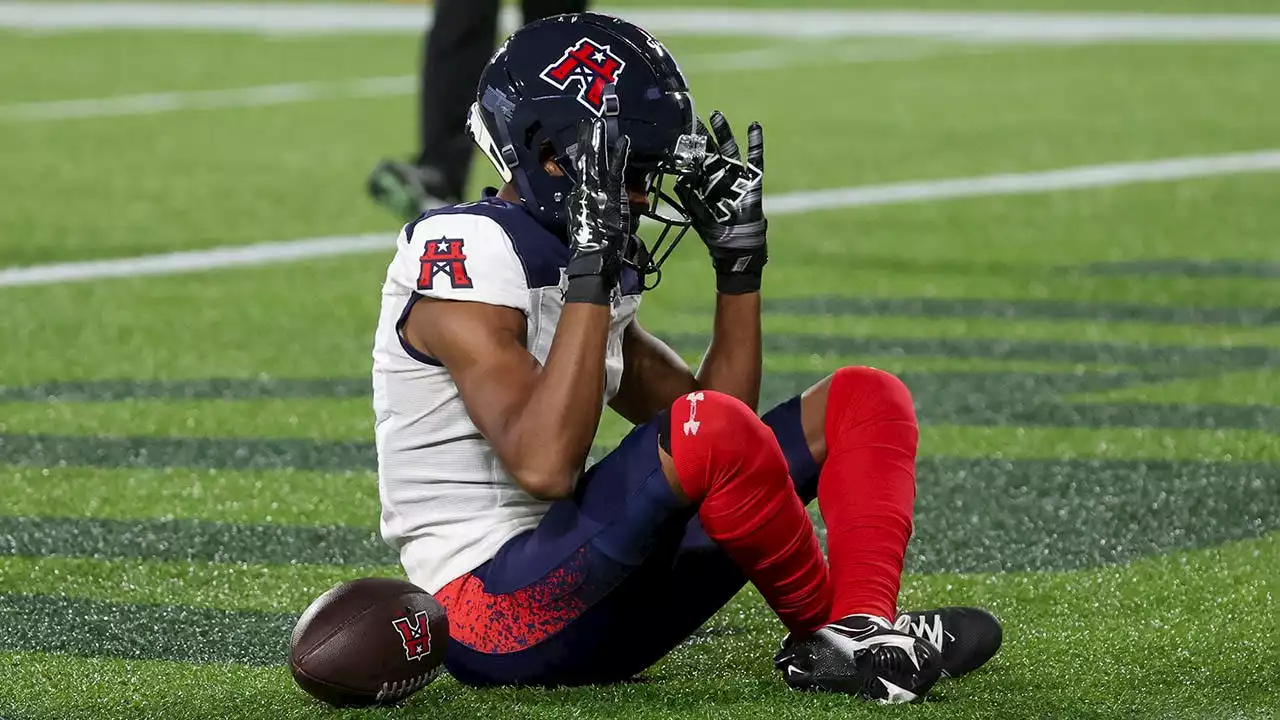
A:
[922,628]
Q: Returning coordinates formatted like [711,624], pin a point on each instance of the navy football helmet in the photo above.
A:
[552,74]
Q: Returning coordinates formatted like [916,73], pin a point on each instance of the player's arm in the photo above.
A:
[654,375]
[732,364]
[540,420]
[725,204]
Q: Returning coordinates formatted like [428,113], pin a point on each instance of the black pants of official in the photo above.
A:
[458,45]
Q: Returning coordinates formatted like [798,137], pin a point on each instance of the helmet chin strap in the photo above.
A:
[612,108]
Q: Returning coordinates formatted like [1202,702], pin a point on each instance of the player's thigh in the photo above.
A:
[586,636]
[531,614]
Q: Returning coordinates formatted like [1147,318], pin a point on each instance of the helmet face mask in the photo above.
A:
[552,74]
[664,209]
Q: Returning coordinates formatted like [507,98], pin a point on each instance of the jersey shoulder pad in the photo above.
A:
[541,254]
[462,256]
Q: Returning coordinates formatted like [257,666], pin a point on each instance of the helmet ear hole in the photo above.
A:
[531,134]
[547,159]
[546,151]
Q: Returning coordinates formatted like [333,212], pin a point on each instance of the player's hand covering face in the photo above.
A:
[599,211]
[724,201]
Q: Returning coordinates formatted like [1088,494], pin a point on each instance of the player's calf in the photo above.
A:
[866,489]
[728,462]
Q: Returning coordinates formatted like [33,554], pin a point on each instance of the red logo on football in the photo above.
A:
[415,635]
[592,65]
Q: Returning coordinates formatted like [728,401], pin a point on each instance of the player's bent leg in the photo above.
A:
[574,601]
[851,441]
[727,462]
[860,425]
[702,575]
[732,465]
[701,578]
[852,437]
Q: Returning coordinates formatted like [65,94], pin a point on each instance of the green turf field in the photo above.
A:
[185,459]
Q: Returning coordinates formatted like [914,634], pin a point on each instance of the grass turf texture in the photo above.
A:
[1152,624]
[185,460]
[893,121]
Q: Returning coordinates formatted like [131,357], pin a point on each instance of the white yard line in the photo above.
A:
[369,18]
[1092,176]
[194,260]
[154,103]
[1074,178]
[811,54]
[396,85]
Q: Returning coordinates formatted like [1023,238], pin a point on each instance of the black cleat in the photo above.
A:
[864,656]
[409,190]
[967,637]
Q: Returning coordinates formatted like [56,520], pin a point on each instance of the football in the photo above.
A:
[372,641]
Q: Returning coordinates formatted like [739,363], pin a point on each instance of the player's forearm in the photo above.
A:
[554,431]
[732,364]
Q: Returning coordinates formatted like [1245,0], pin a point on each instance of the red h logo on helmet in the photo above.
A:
[592,65]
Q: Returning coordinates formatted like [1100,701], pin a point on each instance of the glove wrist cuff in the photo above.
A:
[593,289]
[739,274]
[737,283]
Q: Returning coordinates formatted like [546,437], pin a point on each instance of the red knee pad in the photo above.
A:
[715,437]
[862,395]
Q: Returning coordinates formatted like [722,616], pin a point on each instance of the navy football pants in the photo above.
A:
[609,582]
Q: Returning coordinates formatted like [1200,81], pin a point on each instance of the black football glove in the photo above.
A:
[723,199]
[599,223]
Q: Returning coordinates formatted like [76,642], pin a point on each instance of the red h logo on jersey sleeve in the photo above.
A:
[592,65]
[444,257]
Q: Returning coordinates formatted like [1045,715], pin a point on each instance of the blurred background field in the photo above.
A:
[186,458]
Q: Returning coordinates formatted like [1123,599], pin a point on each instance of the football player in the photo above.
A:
[509,323]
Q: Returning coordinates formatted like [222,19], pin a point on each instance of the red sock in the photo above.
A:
[730,463]
[867,488]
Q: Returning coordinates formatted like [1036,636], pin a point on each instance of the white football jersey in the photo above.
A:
[448,505]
